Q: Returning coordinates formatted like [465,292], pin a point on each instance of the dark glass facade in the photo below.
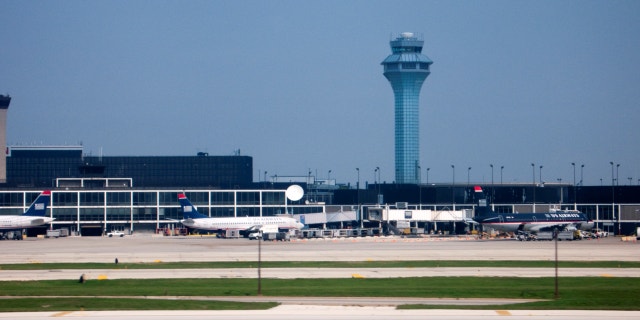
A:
[39,167]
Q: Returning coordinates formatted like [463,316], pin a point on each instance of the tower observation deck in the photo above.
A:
[406,69]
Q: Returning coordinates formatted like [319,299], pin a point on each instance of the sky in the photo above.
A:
[298,85]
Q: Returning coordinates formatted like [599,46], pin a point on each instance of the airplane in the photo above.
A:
[33,217]
[194,219]
[563,220]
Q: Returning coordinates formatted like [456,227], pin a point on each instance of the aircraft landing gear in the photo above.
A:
[524,236]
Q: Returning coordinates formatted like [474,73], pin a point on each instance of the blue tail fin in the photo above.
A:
[188,210]
[483,205]
[39,206]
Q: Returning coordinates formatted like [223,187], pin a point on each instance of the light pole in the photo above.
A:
[501,168]
[613,194]
[533,168]
[574,186]
[469,172]
[420,188]
[617,174]
[260,263]
[581,171]
[358,196]
[491,195]
[430,169]
[541,182]
[453,182]
[491,165]
[377,170]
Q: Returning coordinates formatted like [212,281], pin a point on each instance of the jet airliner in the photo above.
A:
[563,220]
[193,219]
[33,217]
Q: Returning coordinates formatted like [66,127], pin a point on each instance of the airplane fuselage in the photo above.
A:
[534,222]
[20,222]
[240,223]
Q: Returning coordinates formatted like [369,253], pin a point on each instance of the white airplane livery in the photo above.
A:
[33,217]
[194,219]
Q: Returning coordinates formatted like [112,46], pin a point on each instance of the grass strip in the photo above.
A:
[105,304]
[604,293]
[326,264]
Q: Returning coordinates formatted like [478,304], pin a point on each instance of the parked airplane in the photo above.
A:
[194,219]
[33,217]
[563,220]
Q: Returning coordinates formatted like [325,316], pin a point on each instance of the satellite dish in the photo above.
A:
[294,192]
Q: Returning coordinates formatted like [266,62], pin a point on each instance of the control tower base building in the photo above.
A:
[406,69]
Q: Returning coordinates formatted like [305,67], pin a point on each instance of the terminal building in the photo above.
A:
[92,195]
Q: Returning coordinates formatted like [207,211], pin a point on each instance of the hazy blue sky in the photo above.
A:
[298,85]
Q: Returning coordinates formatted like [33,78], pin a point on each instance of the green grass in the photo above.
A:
[326,264]
[603,293]
[74,304]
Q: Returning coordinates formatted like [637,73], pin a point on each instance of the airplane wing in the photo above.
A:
[550,227]
[470,221]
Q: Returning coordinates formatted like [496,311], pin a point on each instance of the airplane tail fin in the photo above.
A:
[483,204]
[188,210]
[39,207]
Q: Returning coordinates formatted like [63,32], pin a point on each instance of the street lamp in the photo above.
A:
[453,170]
[501,168]
[612,176]
[430,169]
[469,171]
[613,194]
[575,201]
[581,171]
[541,182]
[491,165]
[358,196]
[377,170]
[453,182]
[533,168]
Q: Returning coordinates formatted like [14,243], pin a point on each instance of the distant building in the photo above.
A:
[406,69]
[45,166]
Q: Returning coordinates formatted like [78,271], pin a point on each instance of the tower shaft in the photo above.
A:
[406,69]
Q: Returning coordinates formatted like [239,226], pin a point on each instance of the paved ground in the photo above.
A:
[296,312]
[146,248]
[311,273]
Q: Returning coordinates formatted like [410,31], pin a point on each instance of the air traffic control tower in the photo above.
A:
[406,69]
[4,106]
